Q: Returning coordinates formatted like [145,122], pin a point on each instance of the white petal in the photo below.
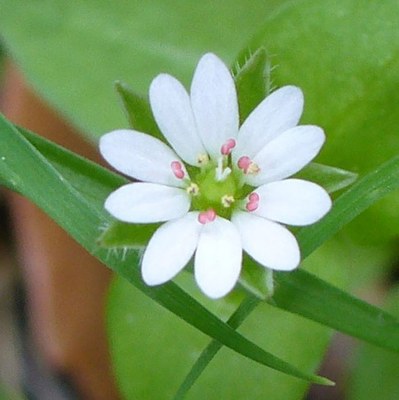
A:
[170,249]
[275,114]
[293,202]
[218,258]
[287,154]
[214,102]
[267,242]
[140,156]
[147,202]
[171,106]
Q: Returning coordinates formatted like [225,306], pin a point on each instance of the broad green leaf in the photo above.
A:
[26,170]
[253,81]
[376,372]
[345,57]
[73,51]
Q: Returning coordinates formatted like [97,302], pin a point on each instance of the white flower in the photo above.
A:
[214,211]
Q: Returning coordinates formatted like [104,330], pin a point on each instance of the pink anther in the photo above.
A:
[244,163]
[227,147]
[206,216]
[177,169]
[253,202]
[248,166]
[253,196]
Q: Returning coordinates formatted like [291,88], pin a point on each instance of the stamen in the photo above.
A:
[227,200]
[193,189]
[253,202]
[228,147]
[253,169]
[220,173]
[203,159]
[248,166]
[177,169]
[206,216]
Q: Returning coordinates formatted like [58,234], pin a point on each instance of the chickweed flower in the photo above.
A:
[220,188]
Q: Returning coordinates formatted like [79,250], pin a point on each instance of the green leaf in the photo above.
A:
[25,169]
[90,44]
[138,111]
[253,81]
[349,86]
[376,372]
[331,178]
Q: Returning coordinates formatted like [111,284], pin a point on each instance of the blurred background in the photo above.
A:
[58,64]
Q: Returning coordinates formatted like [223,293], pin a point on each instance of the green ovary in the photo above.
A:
[212,191]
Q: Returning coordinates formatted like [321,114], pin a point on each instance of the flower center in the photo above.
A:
[213,188]
[218,188]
